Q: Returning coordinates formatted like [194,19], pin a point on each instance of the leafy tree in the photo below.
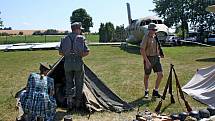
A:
[51,32]
[180,12]
[80,15]
[20,33]
[201,20]
[109,27]
[1,22]
[37,33]
[173,12]
[102,36]
[106,32]
[120,34]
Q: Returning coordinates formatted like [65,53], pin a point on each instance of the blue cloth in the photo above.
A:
[36,101]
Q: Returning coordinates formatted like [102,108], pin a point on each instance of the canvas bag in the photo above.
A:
[73,62]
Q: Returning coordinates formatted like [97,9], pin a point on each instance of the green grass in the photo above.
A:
[40,39]
[120,69]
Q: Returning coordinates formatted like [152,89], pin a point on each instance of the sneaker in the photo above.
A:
[156,94]
[146,95]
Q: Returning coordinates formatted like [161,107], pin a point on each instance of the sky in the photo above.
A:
[55,14]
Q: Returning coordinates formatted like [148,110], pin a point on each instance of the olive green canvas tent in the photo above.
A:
[96,95]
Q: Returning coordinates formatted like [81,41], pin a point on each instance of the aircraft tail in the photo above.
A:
[129,13]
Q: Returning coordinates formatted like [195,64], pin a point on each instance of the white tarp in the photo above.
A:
[202,86]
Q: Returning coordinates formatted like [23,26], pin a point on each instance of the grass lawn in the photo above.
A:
[40,38]
[120,69]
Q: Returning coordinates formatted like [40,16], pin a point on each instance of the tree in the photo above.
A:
[120,34]
[173,12]
[1,22]
[106,32]
[201,20]
[20,33]
[102,36]
[109,28]
[80,15]
[184,11]
[51,32]
[37,33]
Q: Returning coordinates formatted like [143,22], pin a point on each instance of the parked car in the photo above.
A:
[172,40]
[211,39]
[191,39]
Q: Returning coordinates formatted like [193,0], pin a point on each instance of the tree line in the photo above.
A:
[107,33]
[50,32]
[186,14]
[183,14]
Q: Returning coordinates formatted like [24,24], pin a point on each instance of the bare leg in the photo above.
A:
[159,78]
[146,81]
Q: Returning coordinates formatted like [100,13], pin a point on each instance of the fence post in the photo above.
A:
[25,38]
[6,38]
[45,38]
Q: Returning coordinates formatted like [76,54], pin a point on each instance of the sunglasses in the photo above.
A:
[153,29]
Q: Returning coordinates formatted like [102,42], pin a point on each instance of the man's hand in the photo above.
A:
[148,64]
[162,56]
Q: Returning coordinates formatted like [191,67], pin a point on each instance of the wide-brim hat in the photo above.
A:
[45,65]
[152,26]
[77,25]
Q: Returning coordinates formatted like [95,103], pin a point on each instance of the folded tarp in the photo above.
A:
[96,95]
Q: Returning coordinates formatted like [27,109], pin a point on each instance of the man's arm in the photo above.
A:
[60,50]
[60,53]
[86,48]
[83,54]
[143,52]
[147,62]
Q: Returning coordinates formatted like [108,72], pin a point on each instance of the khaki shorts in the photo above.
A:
[156,65]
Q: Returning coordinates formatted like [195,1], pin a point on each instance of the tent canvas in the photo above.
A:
[96,95]
[202,86]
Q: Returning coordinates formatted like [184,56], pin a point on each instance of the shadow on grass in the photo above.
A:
[206,60]
[141,101]
[133,49]
[164,108]
[61,113]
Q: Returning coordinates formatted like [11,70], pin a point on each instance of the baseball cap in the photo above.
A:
[77,25]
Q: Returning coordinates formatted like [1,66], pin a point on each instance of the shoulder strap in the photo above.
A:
[72,41]
[159,46]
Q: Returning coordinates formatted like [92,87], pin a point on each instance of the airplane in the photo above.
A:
[137,28]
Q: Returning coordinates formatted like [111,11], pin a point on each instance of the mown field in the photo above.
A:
[120,69]
[39,38]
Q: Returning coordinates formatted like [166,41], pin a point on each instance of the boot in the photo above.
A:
[156,94]
[146,95]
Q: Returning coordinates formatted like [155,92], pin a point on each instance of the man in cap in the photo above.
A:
[150,52]
[73,47]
